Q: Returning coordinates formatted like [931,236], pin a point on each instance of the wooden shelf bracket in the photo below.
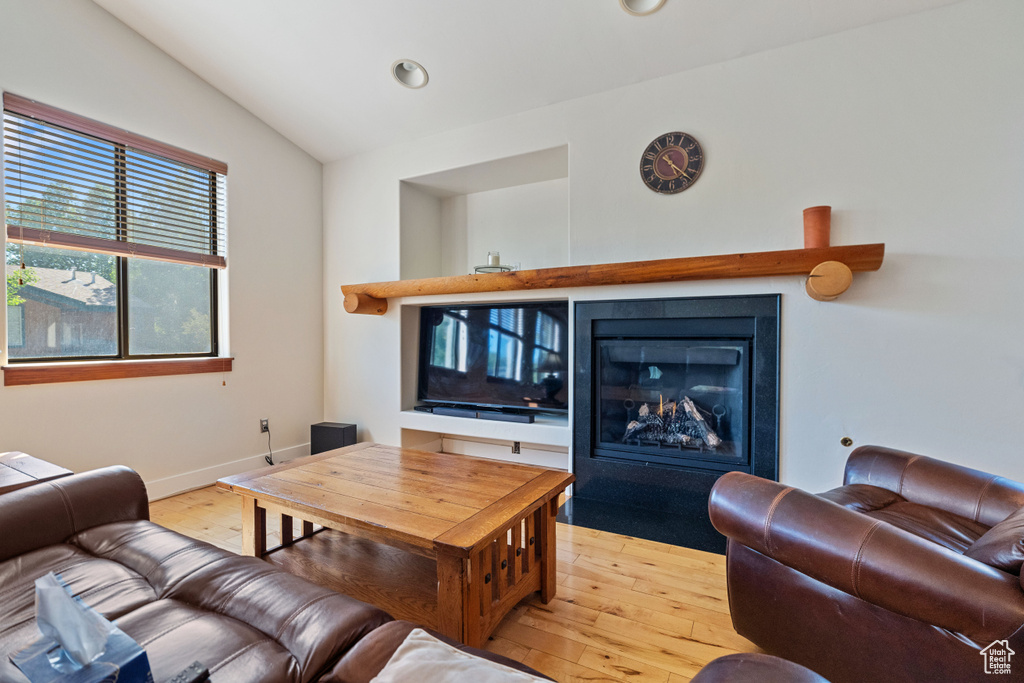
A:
[828,279]
[364,303]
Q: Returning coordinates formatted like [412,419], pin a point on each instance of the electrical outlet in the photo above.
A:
[515,448]
[264,426]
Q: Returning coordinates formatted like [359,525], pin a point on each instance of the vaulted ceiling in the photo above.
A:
[318,71]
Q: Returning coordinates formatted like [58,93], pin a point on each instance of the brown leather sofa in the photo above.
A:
[183,600]
[869,581]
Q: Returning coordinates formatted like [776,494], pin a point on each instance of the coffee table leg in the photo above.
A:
[549,553]
[453,598]
[254,528]
[287,530]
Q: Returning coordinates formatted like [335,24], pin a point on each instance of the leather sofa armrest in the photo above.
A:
[867,558]
[976,495]
[50,512]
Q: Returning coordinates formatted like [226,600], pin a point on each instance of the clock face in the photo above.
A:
[671,163]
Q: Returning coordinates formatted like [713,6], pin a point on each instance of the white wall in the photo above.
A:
[526,224]
[420,233]
[183,431]
[455,236]
[910,129]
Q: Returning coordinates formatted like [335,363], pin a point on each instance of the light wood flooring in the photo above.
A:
[626,609]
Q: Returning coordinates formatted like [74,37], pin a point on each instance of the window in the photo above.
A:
[15,326]
[505,344]
[114,241]
[451,342]
[547,350]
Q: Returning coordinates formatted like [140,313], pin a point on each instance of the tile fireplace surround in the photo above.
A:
[669,395]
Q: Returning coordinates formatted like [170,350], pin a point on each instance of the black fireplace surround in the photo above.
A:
[670,394]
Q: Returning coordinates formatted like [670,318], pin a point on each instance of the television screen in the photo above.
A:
[511,355]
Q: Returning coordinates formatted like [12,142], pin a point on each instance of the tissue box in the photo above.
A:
[123,661]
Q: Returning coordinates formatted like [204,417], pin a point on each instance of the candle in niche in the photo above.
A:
[493,258]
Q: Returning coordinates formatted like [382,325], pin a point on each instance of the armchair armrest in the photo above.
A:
[976,495]
[50,512]
[867,558]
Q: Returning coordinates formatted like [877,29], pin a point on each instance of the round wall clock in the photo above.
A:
[671,163]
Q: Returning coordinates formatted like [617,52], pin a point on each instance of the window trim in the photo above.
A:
[80,371]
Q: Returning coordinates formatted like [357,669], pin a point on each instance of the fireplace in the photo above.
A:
[673,401]
[669,395]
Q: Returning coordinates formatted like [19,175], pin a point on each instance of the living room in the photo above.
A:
[906,124]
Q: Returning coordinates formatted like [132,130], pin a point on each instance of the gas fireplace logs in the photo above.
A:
[709,436]
[672,426]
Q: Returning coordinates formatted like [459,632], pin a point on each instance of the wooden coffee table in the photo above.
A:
[451,541]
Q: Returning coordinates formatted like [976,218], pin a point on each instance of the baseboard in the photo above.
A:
[207,476]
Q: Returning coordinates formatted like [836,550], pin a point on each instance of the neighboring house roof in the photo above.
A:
[69,288]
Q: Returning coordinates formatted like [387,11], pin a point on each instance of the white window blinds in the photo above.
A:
[78,184]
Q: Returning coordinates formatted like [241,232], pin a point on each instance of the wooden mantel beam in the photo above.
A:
[371,298]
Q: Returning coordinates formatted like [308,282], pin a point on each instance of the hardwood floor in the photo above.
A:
[626,609]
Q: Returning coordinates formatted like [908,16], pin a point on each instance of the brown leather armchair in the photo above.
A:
[868,582]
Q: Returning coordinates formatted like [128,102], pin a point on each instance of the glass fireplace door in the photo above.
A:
[673,401]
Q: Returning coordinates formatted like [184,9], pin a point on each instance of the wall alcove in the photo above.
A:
[448,221]
[517,205]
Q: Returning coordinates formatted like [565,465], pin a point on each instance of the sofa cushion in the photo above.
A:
[861,497]
[110,588]
[1002,546]
[163,557]
[938,526]
[314,623]
[171,631]
[311,623]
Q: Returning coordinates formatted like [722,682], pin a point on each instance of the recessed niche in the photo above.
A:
[517,206]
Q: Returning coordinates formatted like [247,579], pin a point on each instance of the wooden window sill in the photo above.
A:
[81,371]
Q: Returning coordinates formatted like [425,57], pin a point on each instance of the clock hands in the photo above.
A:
[679,171]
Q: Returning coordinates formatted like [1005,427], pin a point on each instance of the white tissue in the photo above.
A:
[79,629]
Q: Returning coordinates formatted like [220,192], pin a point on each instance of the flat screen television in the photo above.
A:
[509,356]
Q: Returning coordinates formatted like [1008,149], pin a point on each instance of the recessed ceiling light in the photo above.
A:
[409,73]
[641,7]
